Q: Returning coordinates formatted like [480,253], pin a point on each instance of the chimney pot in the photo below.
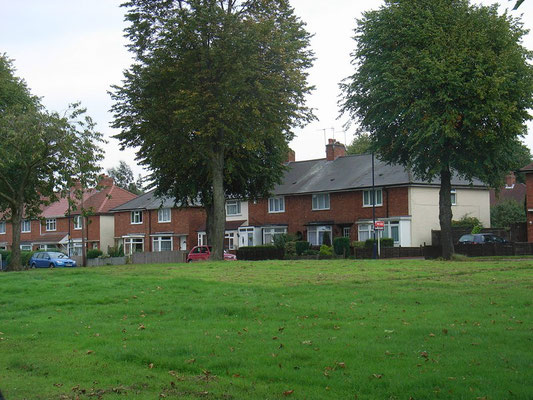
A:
[334,150]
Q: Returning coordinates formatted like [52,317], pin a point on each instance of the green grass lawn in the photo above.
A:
[270,330]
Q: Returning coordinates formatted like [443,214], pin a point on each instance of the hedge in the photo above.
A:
[301,247]
[341,245]
[94,253]
[384,242]
[259,253]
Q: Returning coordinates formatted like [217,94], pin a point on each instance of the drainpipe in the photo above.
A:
[150,230]
[374,245]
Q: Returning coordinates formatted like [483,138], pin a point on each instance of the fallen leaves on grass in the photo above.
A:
[288,392]
[90,351]
[141,327]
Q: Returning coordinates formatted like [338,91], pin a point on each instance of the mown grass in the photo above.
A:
[270,330]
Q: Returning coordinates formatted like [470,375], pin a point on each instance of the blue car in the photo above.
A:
[50,259]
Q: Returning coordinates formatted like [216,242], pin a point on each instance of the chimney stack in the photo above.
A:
[334,150]
[105,181]
[510,180]
[291,156]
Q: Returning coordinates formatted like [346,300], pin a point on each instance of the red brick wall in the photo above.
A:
[183,221]
[529,205]
[345,207]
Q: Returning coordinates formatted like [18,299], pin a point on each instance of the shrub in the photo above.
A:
[116,251]
[341,245]
[310,252]
[25,257]
[290,248]
[384,242]
[476,229]
[260,253]
[359,245]
[325,251]
[94,253]
[506,213]
[281,240]
[301,247]
[467,222]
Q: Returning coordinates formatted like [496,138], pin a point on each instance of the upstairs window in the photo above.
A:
[2,227]
[163,215]
[321,201]
[136,217]
[367,197]
[276,205]
[453,194]
[77,222]
[50,224]
[25,226]
[233,207]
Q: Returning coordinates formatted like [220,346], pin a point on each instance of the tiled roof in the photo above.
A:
[147,201]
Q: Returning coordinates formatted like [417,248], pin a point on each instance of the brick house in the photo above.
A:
[528,171]
[61,227]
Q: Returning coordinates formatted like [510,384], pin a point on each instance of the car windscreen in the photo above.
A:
[57,255]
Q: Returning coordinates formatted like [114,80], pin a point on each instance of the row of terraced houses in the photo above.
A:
[332,195]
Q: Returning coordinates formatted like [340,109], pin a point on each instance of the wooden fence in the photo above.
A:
[390,252]
[484,250]
[159,257]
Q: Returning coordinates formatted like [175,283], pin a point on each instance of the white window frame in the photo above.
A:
[230,236]
[136,217]
[129,242]
[346,231]
[74,249]
[313,234]
[276,204]
[367,197]
[271,231]
[164,215]
[453,197]
[157,242]
[202,239]
[320,201]
[25,247]
[364,229]
[51,225]
[2,227]
[77,221]
[22,226]
[233,203]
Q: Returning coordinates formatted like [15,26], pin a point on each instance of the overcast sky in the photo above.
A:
[74,50]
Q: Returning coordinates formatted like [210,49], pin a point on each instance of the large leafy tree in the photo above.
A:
[123,177]
[42,154]
[441,86]
[361,144]
[213,95]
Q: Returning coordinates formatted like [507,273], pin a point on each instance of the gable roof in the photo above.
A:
[351,173]
[148,201]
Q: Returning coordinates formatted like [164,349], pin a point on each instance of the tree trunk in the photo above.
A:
[219,205]
[15,263]
[209,211]
[445,213]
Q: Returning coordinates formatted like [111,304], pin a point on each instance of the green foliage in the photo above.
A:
[358,245]
[301,247]
[310,252]
[442,86]
[506,213]
[225,93]
[325,251]
[116,251]
[361,144]
[467,222]
[383,242]
[342,246]
[290,248]
[123,177]
[94,253]
[260,253]
[476,229]
[280,241]
[42,153]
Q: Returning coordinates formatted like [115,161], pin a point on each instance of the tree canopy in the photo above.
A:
[442,86]
[361,144]
[42,153]
[123,177]
[212,97]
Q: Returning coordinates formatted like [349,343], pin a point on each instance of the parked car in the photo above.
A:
[202,253]
[481,238]
[50,259]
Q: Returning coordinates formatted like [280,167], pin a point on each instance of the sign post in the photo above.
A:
[379,226]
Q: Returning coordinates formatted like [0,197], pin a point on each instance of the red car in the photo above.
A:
[202,253]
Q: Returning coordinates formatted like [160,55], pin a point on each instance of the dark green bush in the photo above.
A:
[260,253]
[358,245]
[301,247]
[467,222]
[384,242]
[325,250]
[310,252]
[327,239]
[290,248]
[341,245]
[94,253]
[116,251]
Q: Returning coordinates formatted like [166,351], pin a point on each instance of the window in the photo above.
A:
[162,243]
[202,239]
[77,222]
[392,230]
[136,217]
[364,232]
[163,215]
[25,247]
[276,205]
[453,194]
[367,197]
[247,236]
[233,207]
[316,234]
[25,226]
[51,224]
[229,241]
[74,249]
[321,201]
[133,245]
[346,231]
[2,227]
[269,233]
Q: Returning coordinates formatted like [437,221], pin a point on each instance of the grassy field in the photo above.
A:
[270,330]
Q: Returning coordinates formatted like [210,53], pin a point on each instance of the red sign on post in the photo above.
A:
[379,225]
